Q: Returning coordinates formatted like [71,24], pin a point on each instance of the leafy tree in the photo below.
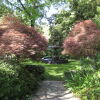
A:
[83,40]
[66,20]
[28,10]
[4,10]
[19,39]
[83,9]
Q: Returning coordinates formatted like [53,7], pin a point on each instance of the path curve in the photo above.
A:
[53,90]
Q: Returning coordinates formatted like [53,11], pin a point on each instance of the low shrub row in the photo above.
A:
[17,82]
[85,83]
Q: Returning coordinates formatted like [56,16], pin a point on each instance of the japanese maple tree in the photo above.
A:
[83,40]
[19,39]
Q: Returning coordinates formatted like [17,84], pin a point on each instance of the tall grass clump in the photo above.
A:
[85,83]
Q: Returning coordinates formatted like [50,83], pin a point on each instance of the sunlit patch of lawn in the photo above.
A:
[55,71]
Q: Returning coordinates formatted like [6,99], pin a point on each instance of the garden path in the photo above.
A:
[53,90]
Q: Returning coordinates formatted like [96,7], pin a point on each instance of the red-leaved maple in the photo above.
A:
[17,38]
[83,40]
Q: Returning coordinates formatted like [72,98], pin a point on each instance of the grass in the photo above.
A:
[56,71]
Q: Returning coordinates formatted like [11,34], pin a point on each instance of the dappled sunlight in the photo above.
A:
[55,71]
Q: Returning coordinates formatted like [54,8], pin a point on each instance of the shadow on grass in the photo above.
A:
[55,71]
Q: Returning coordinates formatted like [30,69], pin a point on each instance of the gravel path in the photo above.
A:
[53,90]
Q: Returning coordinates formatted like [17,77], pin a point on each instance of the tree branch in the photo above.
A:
[24,8]
[7,1]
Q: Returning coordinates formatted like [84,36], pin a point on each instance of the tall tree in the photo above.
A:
[28,10]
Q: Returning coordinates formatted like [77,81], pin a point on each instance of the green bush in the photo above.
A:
[16,82]
[93,62]
[86,83]
[38,70]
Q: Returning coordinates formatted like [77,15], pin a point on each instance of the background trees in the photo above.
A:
[4,10]
[81,8]
[28,10]
[76,10]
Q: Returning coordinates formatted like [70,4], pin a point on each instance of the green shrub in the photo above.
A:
[38,70]
[85,83]
[16,82]
[93,62]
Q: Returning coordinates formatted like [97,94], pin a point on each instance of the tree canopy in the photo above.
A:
[28,10]
[4,10]
[83,40]
[74,11]
[19,39]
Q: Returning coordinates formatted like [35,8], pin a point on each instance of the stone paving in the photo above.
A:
[53,90]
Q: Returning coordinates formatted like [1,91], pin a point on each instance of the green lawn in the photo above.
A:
[56,71]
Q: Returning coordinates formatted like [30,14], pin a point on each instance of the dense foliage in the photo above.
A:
[4,10]
[17,38]
[75,10]
[85,83]
[63,21]
[81,8]
[75,21]
[83,40]
[17,81]
[28,10]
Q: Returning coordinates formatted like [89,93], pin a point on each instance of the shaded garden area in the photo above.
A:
[72,33]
